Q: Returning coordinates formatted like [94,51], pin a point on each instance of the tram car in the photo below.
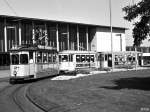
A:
[71,61]
[29,62]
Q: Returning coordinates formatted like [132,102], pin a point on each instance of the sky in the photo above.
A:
[81,11]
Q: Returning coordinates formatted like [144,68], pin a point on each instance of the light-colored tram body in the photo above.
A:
[70,61]
[28,62]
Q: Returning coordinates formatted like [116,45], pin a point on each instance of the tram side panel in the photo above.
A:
[19,71]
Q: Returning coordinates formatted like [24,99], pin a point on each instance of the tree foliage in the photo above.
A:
[141,28]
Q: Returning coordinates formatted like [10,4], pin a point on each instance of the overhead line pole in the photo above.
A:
[110,12]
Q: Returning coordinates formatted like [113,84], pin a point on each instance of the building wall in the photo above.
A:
[103,40]
[87,37]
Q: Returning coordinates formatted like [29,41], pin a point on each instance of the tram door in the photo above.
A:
[31,63]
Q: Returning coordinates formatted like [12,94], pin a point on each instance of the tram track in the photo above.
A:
[22,101]
[13,98]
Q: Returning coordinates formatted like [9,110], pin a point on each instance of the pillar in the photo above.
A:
[19,33]
[87,39]
[78,38]
[5,35]
[68,36]
[57,38]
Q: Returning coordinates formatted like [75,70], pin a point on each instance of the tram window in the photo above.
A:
[54,58]
[39,57]
[30,55]
[101,57]
[64,58]
[15,59]
[129,58]
[49,57]
[23,59]
[78,58]
[82,58]
[44,57]
[133,58]
[92,58]
[59,58]
[105,57]
[88,58]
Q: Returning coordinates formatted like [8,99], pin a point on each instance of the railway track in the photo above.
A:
[13,98]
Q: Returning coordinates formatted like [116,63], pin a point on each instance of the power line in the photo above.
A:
[11,8]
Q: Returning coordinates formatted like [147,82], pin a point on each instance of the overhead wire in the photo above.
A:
[11,8]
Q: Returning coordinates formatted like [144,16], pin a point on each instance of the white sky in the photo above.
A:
[81,11]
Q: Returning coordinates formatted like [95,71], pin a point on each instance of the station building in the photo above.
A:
[17,31]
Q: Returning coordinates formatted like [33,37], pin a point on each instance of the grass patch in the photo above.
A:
[115,92]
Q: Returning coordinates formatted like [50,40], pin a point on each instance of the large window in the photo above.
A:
[63,40]
[82,38]
[2,45]
[23,59]
[15,59]
[26,33]
[72,37]
[51,31]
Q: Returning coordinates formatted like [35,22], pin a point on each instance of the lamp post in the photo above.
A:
[110,15]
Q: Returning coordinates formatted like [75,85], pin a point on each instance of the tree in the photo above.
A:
[141,10]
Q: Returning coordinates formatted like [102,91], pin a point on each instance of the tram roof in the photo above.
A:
[76,52]
[121,52]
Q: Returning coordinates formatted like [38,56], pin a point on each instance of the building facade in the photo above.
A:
[15,31]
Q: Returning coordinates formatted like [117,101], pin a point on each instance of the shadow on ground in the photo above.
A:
[131,83]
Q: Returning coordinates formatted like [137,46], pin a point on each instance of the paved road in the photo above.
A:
[13,98]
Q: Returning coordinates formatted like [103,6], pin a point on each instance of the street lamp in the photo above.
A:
[110,15]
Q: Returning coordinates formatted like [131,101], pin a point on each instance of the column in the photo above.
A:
[68,36]
[87,39]
[46,39]
[57,38]
[78,38]
[19,33]
[120,42]
[5,35]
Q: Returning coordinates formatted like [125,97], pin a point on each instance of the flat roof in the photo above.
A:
[18,18]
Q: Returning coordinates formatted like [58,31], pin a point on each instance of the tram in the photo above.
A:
[71,61]
[28,62]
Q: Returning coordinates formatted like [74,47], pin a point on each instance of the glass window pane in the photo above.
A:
[45,57]
[39,57]
[64,58]
[88,58]
[49,57]
[15,59]
[54,57]
[92,58]
[82,58]
[23,59]
[78,58]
